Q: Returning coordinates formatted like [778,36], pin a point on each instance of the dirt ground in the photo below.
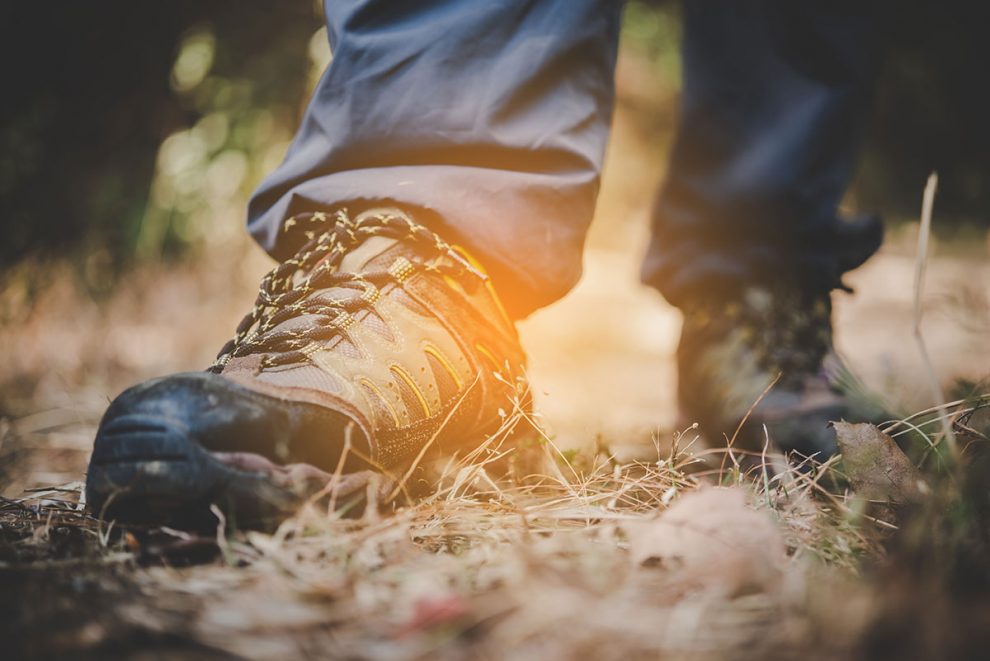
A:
[464,575]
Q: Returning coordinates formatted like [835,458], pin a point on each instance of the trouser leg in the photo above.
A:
[776,98]
[489,118]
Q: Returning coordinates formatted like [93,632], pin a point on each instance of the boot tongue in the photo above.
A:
[377,252]
[360,258]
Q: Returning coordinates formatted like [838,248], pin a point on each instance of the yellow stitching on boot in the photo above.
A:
[402,374]
[488,281]
[433,351]
[310,349]
[371,295]
[388,405]
[343,321]
[401,269]
[487,353]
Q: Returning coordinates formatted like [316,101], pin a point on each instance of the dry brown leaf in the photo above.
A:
[710,540]
[877,468]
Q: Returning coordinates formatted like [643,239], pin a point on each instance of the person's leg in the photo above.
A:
[489,119]
[776,99]
[747,239]
[378,339]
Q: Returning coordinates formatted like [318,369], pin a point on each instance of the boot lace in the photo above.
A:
[297,286]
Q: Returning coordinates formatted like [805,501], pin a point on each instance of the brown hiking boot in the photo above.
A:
[375,343]
[769,351]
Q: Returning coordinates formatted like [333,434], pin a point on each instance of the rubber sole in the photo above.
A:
[146,469]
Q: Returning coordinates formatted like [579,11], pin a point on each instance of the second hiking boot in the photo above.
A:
[765,361]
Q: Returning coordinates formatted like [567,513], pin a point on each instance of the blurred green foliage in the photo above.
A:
[654,30]
[113,104]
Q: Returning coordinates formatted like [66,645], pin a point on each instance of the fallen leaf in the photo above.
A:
[710,540]
[878,469]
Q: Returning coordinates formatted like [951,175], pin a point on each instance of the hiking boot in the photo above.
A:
[376,344]
[766,359]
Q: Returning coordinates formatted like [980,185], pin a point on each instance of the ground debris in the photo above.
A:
[531,571]
[877,468]
[710,540]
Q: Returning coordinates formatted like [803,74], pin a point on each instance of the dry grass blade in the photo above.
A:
[921,263]
[429,443]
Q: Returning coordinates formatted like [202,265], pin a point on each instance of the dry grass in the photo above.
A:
[520,551]
[495,563]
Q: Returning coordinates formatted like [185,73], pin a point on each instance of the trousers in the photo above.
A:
[489,121]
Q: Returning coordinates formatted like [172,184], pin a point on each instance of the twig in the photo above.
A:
[339,471]
[731,442]
[221,537]
[890,426]
[17,504]
[921,263]
[763,466]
